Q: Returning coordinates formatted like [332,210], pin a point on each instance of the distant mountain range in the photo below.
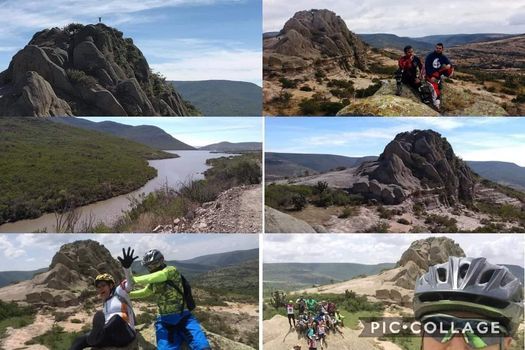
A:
[146,134]
[233,147]
[222,97]
[8,277]
[191,268]
[280,165]
[504,173]
[425,44]
[291,276]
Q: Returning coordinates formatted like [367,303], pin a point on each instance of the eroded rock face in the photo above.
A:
[278,222]
[422,254]
[315,35]
[420,160]
[85,70]
[72,271]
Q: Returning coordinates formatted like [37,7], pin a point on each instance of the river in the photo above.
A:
[173,171]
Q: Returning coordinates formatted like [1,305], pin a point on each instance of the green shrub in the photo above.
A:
[369,91]
[78,77]
[441,224]
[403,221]
[305,88]
[349,211]
[287,84]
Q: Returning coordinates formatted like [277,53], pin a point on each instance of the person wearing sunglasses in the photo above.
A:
[468,303]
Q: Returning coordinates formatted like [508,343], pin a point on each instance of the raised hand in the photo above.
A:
[127,258]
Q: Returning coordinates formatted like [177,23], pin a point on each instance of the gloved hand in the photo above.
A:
[127,258]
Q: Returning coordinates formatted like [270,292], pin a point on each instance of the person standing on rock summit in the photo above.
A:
[436,66]
[115,325]
[468,303]
[175,323]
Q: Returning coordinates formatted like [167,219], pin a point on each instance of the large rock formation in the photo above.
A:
[85,70]
[422,254]
[420,161]
[71,273]
[314,36]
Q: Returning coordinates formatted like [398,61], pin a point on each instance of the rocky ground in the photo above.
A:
[279,336]
[237,210]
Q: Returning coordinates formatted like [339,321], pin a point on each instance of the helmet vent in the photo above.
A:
[442,274]
[463,269]
[486,276]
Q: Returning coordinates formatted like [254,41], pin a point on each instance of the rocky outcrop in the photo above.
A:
[416,162]
[278,222]
[71,273]
[422,254]
[35,98]
[387,105]
[311,36]
[455,101]
[85,70]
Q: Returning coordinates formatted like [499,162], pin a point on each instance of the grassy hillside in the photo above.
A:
[48,167]
[292,276]
[237,281]
[226,259]
[148,135]
[222,97]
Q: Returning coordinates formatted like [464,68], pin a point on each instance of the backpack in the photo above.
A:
[187,297]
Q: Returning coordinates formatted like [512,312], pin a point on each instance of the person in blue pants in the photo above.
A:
[175,323]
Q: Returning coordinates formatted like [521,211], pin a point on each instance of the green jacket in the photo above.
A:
[160,285]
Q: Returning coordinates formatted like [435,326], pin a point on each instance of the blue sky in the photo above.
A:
[409,18]
[181,39]
[385,248]
[33,251]
[200,131]
[482,138]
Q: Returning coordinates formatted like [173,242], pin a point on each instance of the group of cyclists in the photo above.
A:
[314,320]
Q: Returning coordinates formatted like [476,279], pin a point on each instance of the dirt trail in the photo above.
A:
[16,338]
[278,336]
[237,308]
[237,210]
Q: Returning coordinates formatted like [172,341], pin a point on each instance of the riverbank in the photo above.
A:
[169,204]
[47,167]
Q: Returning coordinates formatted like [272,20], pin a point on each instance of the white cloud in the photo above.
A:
[32,251]
[9,250]
[405,18]
[383,248]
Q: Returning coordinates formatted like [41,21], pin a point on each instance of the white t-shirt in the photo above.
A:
[113,306]
[289,309]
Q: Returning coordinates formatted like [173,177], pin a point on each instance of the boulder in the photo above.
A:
[34,58]
[133,98]
[386,106]
[382,294]
[278,222]
[37,99]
